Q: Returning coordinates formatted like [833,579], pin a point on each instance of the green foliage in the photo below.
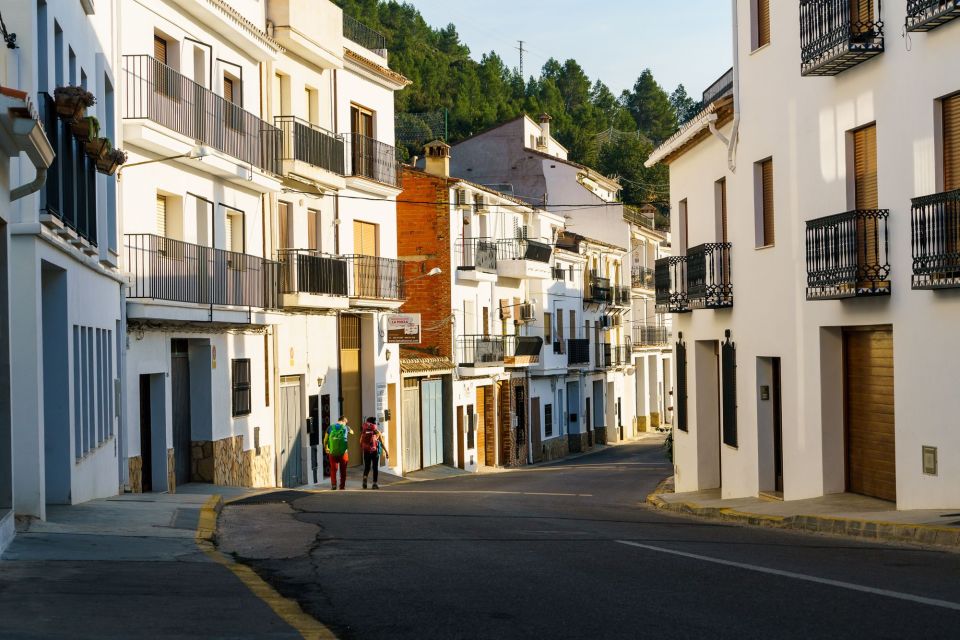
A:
[684,106]
[480,94]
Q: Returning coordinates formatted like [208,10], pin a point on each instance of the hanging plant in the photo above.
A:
[86,128]
[97,148]
[72,102]
[109,163]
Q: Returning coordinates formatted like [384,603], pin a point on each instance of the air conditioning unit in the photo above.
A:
[527,312]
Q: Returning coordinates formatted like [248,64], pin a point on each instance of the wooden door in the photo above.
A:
[351,382]
[461,436]
[869,413]
[291,443]
[180,395]
[365,268]
[482,427]
[411,425]
[867,198]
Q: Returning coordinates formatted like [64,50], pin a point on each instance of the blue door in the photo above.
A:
[431,415]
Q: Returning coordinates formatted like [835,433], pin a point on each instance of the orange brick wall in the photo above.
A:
[423,242]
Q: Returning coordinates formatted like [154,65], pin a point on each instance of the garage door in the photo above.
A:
[871,464]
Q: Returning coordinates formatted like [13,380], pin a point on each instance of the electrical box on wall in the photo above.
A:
[929,460]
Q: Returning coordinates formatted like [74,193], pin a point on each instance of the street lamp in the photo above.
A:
[433,272]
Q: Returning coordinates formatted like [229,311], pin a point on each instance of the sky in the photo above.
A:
[685,42]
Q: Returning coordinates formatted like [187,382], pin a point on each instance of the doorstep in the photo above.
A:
[840,514]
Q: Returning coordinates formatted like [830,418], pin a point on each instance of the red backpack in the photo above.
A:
[370,438]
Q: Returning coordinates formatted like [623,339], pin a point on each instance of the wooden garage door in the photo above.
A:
[871,465]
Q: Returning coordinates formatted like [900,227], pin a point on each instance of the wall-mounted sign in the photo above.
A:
[403,328]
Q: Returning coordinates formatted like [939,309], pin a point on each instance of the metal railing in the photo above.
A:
[833,39]
[646,336]
[374,278]
[622,354]
[306,142]
[578,351]
[935,240]
[363,35]
[924,15]
[308,271]
[558,273]
[523,249]
[671,285]
[708,276]
[480,351]
[166,269]
[642,277]
[620,295]
[370,158]
[477,253]
[847,255]
[598,290]
[158,93]
[522,350]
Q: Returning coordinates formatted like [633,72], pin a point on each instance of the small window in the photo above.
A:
[548,419]
[950,108]
[240,370]
[720,192]
[761,23]
[763,177]
[548,327]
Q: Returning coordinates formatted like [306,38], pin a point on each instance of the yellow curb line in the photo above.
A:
[286,609]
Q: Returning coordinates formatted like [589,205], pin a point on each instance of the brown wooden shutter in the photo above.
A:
[763,23]
[313,226]
[228,89]
[160,49]
[161,215]
[861,15]
[283,224]
[951,143]
[766,170]
[723,211]
[548,328]
[865,167]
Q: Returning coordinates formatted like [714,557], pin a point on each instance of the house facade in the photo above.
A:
[825,198]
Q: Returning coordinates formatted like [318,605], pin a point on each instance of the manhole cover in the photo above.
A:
[274,497]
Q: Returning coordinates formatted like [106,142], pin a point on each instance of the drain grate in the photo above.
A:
[274,497]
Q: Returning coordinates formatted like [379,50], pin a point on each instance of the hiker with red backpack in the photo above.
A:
[371,443]
[335,444]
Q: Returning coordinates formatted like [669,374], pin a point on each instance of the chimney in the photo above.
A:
[544,129]
[437,159]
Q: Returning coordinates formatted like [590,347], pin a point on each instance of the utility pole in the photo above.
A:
[521,57]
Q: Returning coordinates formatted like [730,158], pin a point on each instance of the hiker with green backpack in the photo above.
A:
[335,444]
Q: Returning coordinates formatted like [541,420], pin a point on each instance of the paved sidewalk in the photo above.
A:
[844,514]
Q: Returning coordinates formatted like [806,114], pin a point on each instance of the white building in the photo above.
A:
[832,218]
[61,252]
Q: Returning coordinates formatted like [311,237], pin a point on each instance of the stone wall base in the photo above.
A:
[234,467]
[135,470]
[578,442]
[641,423]
[654,421]
[600,435]
[554,449]
[201,461]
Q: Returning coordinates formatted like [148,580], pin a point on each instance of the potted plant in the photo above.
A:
[86,128]
[72,102]
[97,148]
[109,163]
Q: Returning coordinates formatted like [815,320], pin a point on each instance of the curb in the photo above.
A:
[946,538]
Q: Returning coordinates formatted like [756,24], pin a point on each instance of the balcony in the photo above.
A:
[708,276]
[476,259]
[578,352]
[598,291]
[610,356]
[645,337]
[310,152]
[925,15]
[374,282]
[521,351]
[190,114]
[361,34]
[172,271]
[620,296]
[523,258]
[642,277]
[480,352]
[935,234]
[671,285]
[312,280]
[847,255]
[373,160]
[833,38]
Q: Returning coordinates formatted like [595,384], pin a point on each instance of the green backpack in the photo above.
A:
[337,439]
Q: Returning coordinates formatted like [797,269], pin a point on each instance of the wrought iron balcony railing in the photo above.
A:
[671,285]
[480,351]
[158,93]
[604,355]
[364,36]
[622,353]
[620,295]
[523,249]
[479,254]
[645,336]
[309,143]
[935,237]
[522,350]
[372,159]
[836,35]
[306,271]
[598,290]
[847,255]
[642,277]
[166,269]
[708,276]
[924,15]
[374,278]
[578,352]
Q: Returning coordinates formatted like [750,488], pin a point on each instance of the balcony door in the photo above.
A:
[866,198]
[361,126]
[365,267]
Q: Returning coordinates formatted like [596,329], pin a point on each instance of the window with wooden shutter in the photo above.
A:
[313,230]
[240,374]
[160,49]
[762,23]
[951,142]
[228,89]
[161,215]
[548,327]
[768,235]
[284,239]
[561,343]
[722,208]
[865,188]
[861,16]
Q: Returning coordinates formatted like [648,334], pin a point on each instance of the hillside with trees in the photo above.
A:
[613,133]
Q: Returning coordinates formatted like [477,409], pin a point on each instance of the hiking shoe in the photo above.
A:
[364,483]
[375,486]
[333,488]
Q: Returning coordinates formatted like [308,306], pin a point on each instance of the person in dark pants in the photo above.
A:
[371,443]
[335,445]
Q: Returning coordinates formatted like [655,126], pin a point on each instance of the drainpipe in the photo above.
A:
[31,187]
[735,132]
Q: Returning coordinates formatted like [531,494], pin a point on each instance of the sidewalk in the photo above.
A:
[840,514]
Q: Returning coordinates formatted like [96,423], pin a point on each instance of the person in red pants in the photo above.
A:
[335,444]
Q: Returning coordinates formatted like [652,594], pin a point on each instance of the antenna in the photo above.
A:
[520,48]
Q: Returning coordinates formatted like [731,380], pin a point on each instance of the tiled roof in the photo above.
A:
[425,364]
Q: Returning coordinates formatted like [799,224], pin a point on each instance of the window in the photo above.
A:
[720,191]
[682,229]
[161,215]
[548,327]
[763,177]
[548,419]
[284,226]
[231,94]
[681,384]
[234,231]
[312,103]
[240,374]
[560,341]
[865,191]
[313,230]
[160,49]
[951,142]
[761,23]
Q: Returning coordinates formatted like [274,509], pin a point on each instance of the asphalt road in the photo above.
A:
[570,551]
